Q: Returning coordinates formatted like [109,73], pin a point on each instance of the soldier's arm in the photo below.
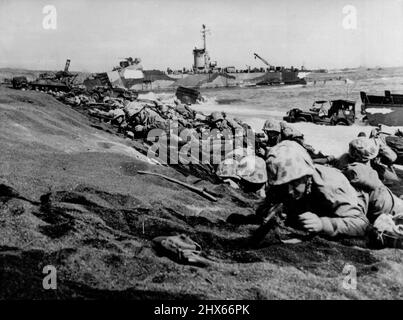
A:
[348,218]
[388,156]
[352,224]
[381,200]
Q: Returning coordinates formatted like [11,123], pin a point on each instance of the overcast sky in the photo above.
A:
[95,34]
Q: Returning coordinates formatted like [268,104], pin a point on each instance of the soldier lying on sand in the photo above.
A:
[277,131]
[316,198]
[372,152]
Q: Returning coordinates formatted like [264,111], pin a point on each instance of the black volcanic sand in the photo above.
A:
[93,218]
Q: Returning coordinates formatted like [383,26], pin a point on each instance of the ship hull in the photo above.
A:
[222,80]
[162,82]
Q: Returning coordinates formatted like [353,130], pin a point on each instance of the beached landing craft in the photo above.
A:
[387,109]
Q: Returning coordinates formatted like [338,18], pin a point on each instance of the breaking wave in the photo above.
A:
[208,101]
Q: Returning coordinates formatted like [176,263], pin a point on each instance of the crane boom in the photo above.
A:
[259,57]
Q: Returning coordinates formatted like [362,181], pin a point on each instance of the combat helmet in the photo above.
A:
[288,161]
[163,108]
[228,169]
[249,168]
[216,116]
[252,169]
[363,149]
[133,108]
[272,125]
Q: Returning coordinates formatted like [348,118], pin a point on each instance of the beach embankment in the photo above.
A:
[92,216]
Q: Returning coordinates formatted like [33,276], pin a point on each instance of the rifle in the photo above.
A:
[203,192]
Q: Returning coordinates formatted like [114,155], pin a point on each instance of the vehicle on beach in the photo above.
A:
[19,82]
[387,109]
[61,81]
[187,95]
[332,112]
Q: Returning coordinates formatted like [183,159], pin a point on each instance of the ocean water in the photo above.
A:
[256,104]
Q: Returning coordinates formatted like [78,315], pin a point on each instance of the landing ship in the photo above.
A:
[204,73]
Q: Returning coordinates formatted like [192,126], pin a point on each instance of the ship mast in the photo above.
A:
[206,56]
[200,55]
[204,31]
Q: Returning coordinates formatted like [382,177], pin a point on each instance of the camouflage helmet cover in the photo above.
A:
[363,149]
[228,169]
[288,161]
[252,169]
[249,168]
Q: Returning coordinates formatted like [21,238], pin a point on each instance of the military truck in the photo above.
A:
[20,82]
[327,112]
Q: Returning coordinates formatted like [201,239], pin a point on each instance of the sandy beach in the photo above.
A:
[185,159]
[93,217]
